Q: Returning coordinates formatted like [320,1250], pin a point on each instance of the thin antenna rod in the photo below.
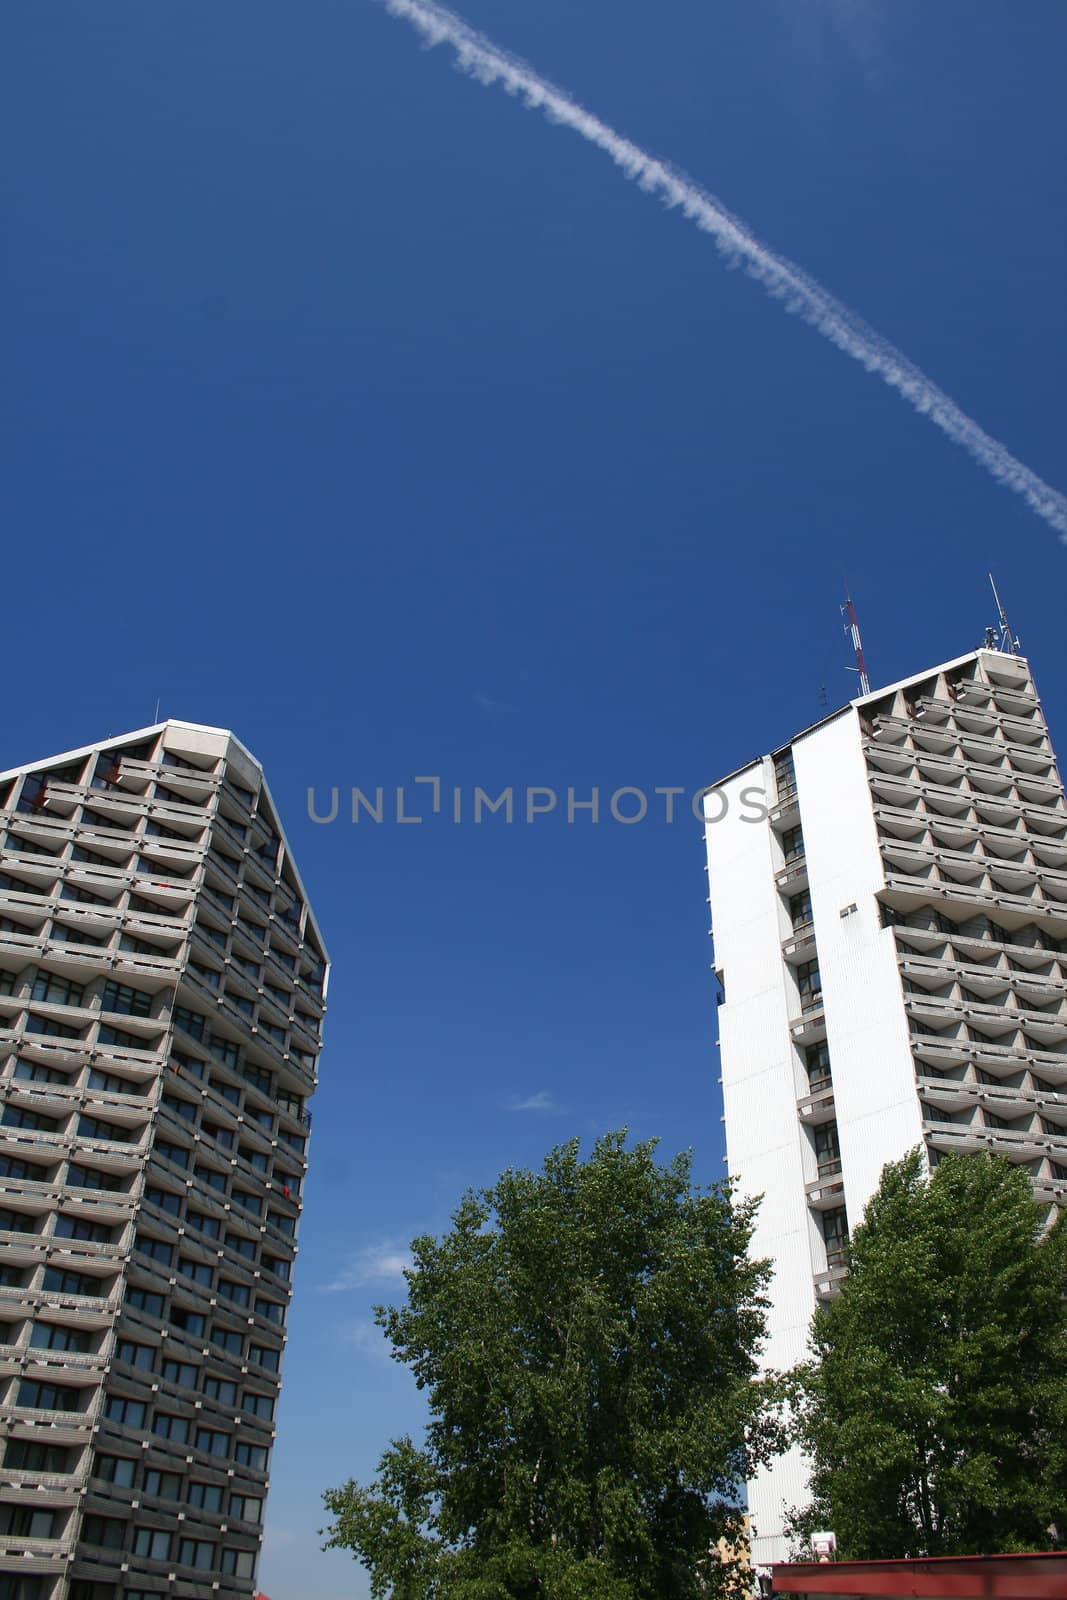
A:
[1009,643]
[852,628]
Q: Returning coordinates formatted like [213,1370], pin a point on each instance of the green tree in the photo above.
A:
[935,1406]
[587,1336]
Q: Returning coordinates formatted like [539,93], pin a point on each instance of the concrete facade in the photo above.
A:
[891,941]
[162,988]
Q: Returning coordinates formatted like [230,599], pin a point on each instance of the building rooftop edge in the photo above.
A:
[860,700]
[191,727]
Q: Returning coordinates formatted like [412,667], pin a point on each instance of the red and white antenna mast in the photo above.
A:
[1009,642]
[852,628]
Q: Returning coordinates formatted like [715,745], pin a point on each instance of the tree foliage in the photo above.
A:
[587,1337]
[935,1406]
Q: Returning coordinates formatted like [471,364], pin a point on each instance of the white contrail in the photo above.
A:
[800,294]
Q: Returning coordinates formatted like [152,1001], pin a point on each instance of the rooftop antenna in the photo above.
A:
[852,628]
[1009,643]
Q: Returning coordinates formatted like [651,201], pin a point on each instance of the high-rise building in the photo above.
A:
[889,900]
[162,985]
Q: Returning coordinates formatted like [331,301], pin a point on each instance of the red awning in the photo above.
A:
[1029,1577]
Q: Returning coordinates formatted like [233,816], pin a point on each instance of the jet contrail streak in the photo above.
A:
[783,279]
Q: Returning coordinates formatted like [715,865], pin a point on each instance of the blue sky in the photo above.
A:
[350,406]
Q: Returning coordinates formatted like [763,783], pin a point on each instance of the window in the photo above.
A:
[238,1563]
[122,1038]
[191,1022]
[115,1132]
[9,981]
[54,1336]
[129,1002]
[276,1265]
[206,1496]
[263,1081]
[164,1485]
[37,1072]
[16,1221]
[246,1507]
[83,1589]
[196,1271]
[210,1227]
[79,1177]
[111,1083]
[152,1543]
[792,844]
[188,1064]
[260,1405]
[180,1108]
[144,1300]
[198,1553]
[208,1176]
[182,1372]
[191,1323]
[809,983]
[12,1277]
[107,1532]
[827,1149]
[15,1167]
[817,1066]
[271,1310]
[165,1200]
[26,1522]
[250,1202]
[169,1427]
[22,1117]
[56,1030]
[251,1455]
[212,1442]
[243,1247]
[228,1339]
[256,1159]
[59,1281]
[784,776]
[239,1293]
[284,1224]
[263,1356]
[60,991]
[131,1413]
[119,1470]
[48,1396]
[224,1050]
[835,1233]
[155,1249]
[31,1455]
[171,1152]
[222,1136]
[220,1389]
[228,1091]
[800,915]
[136,1355]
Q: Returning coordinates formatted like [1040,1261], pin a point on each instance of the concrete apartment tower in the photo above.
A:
[162,983]
[891,941]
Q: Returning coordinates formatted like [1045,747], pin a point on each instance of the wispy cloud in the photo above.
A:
[785,281]
[490,707]
[541,1101]
[366,1338]
[378,1263]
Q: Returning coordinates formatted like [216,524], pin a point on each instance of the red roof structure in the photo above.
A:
[1029,1577]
